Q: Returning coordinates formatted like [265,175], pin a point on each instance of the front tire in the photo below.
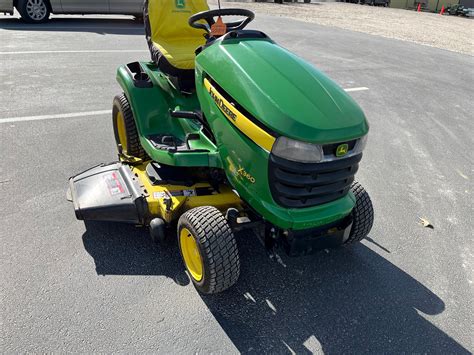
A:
[34,11]
[362,215]
[209,249]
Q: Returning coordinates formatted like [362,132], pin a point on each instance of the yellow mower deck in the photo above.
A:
[182,197]
[123,192]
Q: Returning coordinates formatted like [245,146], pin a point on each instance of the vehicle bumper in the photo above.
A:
[304,242]
[6,6]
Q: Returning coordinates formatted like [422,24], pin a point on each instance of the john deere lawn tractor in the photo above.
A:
[224,130]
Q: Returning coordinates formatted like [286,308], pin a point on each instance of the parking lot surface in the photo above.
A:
[71,287]
[453,33]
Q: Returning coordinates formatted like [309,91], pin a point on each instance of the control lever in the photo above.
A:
[190,115]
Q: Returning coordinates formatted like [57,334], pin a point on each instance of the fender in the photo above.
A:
[151,96]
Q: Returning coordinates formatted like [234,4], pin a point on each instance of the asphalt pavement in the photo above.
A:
[70,287]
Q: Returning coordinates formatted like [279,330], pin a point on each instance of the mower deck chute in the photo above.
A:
[136,194]
[108,192]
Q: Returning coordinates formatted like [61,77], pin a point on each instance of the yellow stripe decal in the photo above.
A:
[246,126]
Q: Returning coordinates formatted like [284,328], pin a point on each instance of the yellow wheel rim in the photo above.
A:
[122,132]
[191,255]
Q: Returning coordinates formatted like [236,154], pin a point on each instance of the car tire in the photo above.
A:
[208,249]
[34,11]
[362,214]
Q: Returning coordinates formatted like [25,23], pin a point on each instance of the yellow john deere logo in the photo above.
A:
[342,150]
[180,4]
[246,126]
[222,105]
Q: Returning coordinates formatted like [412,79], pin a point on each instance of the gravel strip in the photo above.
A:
[447,32]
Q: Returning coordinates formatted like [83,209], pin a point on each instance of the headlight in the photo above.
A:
[297,151]
[360,145]
[311,153]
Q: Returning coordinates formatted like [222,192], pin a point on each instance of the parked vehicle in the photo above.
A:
[38,11]
[384,3]
[460,10]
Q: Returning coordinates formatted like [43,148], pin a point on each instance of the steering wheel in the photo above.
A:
[208,16]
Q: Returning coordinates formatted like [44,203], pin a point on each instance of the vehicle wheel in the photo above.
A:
[362,215]
[34,11]
[208,249]
[125,129]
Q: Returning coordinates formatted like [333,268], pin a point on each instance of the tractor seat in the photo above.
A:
[171,40]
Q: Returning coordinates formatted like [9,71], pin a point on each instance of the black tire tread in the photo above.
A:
[134,147]
[362,214]
[218,244]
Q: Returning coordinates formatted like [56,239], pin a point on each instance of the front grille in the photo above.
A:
[300,185]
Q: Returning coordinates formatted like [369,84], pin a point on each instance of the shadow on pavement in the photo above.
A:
[64,24]
[122,249]
[347,300]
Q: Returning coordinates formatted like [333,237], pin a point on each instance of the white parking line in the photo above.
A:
[82,51]
[49,117]
[95,113]
[40,28]
[362,88]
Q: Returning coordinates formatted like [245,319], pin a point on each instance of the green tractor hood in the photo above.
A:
[282,91]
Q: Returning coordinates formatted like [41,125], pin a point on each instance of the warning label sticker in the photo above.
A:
[163,194]
[159,194]
[114,184]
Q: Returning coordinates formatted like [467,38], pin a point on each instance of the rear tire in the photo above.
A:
[125,129]
[34,11]
[211,256]
[362,215]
